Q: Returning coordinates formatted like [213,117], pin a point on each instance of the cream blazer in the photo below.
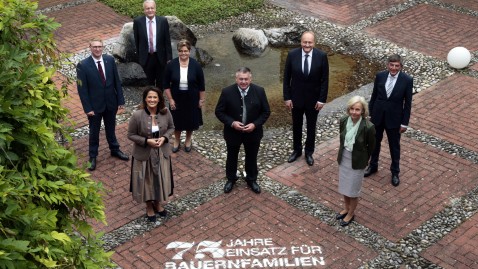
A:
[139,130]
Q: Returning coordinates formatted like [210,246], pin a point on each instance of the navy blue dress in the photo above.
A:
[187,116]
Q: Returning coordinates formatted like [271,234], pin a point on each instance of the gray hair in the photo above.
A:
[395,58]
[243,70]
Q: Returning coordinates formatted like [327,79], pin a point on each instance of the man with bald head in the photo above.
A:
[305,88]
[153,43]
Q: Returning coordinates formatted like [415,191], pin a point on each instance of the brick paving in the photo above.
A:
[429,29]
[76,31]
[458,249]
[238,216]
[429,178]
[450,98]
[432,179]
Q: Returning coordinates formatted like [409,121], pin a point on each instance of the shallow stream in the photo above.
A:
[346,74]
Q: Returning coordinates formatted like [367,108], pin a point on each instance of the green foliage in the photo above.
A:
[45,199]
[189,11]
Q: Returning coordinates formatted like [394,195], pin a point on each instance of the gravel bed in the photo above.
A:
[277,142]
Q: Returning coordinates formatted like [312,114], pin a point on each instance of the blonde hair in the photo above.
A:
[358,99]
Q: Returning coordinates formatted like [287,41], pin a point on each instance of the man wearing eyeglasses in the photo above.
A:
[101,96]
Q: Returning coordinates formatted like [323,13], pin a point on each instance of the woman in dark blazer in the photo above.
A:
[150,128]
[185,89]
[357,141]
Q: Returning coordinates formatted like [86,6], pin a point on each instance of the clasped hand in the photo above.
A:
[156,142]
[239,126]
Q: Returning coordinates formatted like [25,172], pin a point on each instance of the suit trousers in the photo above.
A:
[297,122]
[393,136]
[154,71]
[251,142]
[109,118]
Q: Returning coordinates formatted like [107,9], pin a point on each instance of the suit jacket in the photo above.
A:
[196,83]
[229,109]
[363,146]
[305,91]
[94,95]
[394,110]
[139,130]
[163,40]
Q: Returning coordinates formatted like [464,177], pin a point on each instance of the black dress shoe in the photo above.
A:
[370,171]
[339,216]
[92,164]
[151,218]
[254,186]
[160,213]
[120,155]
[188,149]
[228,186]
[309,159]
[175,149]
[295,154]
[395,180]
[344,223]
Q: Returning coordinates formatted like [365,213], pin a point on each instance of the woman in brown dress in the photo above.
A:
[150,128]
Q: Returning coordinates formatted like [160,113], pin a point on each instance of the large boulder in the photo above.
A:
[132,74]
[250,41]
[285,36]
[178,30]
[124,49]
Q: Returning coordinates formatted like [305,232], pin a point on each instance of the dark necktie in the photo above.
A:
[102,74]
[306,65]
[151,43]
[244,110]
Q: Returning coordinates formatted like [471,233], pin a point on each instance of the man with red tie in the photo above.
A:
[153,43]
[101,94]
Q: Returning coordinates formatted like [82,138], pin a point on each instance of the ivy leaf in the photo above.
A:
[60,236]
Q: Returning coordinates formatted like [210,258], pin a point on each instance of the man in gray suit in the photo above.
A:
[101,95]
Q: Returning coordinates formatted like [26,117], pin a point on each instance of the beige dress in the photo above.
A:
[151,169]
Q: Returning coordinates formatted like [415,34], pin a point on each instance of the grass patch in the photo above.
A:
[188,11]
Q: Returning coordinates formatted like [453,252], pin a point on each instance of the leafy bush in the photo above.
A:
[45,199]
[189,11]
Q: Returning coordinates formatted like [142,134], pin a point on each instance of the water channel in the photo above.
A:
[346,74]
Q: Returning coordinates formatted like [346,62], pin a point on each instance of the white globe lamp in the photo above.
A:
[459,57]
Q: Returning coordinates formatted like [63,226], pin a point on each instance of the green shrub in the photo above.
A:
[45,200]
[189,11]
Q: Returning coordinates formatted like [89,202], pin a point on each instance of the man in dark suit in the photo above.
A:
[101,95]
[153,43]
[305,87]
[390,107]
[243,108]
